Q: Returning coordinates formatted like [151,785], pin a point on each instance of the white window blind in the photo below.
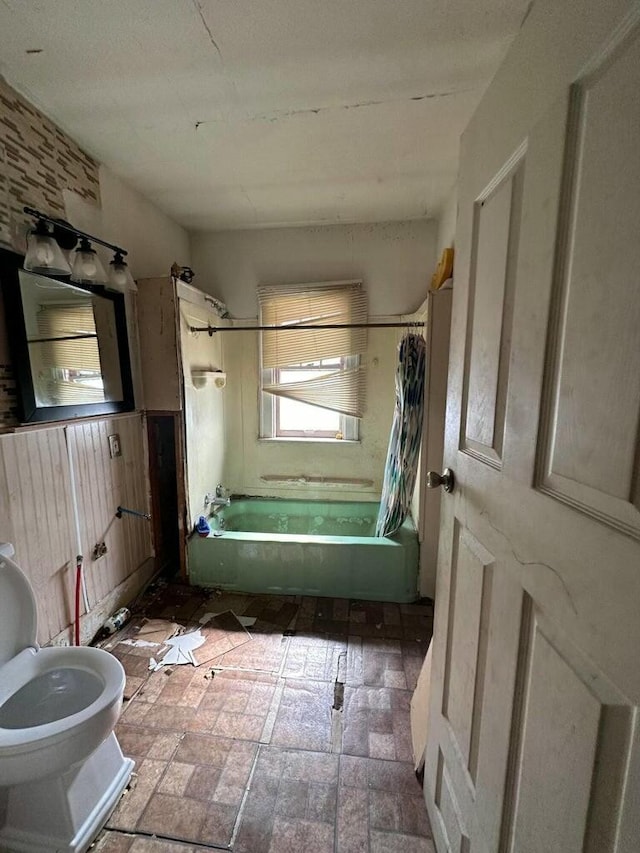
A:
[341,390]
[67,355]
[68,323]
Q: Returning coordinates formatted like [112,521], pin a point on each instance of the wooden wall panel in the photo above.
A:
[158,332]
[38,520]
[36,511]
[103,484]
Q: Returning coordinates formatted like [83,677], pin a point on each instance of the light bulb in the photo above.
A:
[44,252]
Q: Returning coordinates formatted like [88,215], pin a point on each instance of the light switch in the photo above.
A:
[114,445]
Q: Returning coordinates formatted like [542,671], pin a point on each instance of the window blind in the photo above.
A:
[57,359]
[341,390]
[319,303]
[65,321]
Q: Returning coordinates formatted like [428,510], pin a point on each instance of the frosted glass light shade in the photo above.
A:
[44,256]
[87,267]
[119,276]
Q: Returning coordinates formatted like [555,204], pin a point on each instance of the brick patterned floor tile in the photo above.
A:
[195,733]
[304,716]
[113,842]
[385,842]
[134,801]
[177,817]
[306,658]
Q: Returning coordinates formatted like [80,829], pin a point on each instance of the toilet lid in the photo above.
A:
[18,611]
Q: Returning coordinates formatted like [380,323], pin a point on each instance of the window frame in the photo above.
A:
[270,403]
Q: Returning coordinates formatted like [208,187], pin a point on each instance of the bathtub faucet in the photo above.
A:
[219,499]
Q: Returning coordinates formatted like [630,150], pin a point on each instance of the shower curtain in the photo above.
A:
[404,443]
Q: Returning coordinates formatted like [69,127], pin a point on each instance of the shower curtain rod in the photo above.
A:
[211,330]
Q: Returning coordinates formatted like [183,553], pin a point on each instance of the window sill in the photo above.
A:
[304,440]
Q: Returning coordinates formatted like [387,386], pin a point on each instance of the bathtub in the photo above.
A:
[297,547]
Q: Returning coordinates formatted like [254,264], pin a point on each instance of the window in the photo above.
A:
[312,381]
[284,417]
[66,356]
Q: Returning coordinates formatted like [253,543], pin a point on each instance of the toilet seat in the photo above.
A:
[18,609]
[28,666]
[81,719]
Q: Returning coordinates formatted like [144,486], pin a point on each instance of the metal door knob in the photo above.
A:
[446,479]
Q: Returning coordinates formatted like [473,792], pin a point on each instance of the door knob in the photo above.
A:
[446,479]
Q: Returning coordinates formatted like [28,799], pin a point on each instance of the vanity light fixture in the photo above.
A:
[45,255]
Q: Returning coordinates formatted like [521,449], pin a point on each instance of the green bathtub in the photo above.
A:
[296,547]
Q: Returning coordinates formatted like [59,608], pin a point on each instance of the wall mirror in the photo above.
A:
[68,345]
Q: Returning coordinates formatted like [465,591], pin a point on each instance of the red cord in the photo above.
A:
[78,587]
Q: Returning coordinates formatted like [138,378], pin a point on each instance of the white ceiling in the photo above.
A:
[252,113]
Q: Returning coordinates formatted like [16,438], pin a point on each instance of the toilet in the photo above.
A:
[61,767]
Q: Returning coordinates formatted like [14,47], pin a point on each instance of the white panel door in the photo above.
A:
[533,742]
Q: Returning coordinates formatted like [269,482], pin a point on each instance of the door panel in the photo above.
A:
[559,735]
[533,741]
[571,744]
[449,810]
[465,662]
[492,278]
[590,441]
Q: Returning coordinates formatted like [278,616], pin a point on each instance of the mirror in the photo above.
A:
[69,346]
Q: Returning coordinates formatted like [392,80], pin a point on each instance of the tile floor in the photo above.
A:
[298,739]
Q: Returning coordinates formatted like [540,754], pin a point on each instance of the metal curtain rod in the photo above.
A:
[58,223]
[211,330]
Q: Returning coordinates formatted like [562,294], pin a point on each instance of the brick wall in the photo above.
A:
[37,162]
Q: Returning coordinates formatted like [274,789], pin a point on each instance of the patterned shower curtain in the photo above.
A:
[404,443]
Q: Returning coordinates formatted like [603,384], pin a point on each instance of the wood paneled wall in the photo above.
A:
[36,514]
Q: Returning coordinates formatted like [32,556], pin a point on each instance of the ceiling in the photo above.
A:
[257,113]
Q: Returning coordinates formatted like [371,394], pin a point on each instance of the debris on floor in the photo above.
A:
[245,621]
[223,632]
[181,649]
[157,630]
[140,644]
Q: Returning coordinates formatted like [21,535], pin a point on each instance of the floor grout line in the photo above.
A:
[270,721]
[245,796]
[140,833]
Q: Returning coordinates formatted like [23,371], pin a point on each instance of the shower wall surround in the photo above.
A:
[394,260]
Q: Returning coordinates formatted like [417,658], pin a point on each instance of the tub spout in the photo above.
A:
[221,502]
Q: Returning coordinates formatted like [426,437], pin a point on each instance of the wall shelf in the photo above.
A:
[208,379]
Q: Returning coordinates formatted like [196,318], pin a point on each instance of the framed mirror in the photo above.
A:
[68,344]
